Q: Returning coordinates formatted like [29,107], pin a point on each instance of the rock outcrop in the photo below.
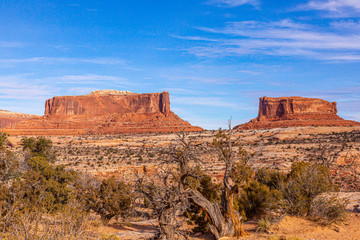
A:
[295,112]
[105,112]
[100,103]
[9,119]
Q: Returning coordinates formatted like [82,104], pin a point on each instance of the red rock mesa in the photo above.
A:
[295,112]
[104,112]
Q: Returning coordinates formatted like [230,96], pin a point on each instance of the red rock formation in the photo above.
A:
[105,112]
[294,112]
[99,104]
[9,119]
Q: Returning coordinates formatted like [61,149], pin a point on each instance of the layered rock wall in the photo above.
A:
[295,111]
[98,104]
[10,119]
[287,108]
[105,112]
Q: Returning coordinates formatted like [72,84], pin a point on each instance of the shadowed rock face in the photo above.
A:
[287,108]
[295,111]
[105,112]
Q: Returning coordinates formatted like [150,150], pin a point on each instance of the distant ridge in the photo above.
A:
[9,119]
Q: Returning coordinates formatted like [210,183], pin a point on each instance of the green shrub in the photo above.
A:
[271,178]
[9,165]
[3,138]
[111,198]
[39,147]
[45,185]
[303,184]
[242,173]
[257,199]
[264,225]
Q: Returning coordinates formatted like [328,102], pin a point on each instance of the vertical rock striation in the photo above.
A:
[106,112]
[294,112]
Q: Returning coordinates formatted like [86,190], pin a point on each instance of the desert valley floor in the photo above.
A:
[273,148]
[121,155]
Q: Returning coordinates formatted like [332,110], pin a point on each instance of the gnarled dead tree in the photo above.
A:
[225,220]
[169,197]
[167,193]
[166,200]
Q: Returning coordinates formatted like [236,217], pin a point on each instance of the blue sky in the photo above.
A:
[215,57]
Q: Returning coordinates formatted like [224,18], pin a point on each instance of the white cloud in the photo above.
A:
[17,87]
[11,44]
[195,38]
[50,60]
[351,116]
[283,38]
[80,90]
[332,5]
[233,3]
[203,101]
[333,8]
[89,77]
[250,72]
[86,79]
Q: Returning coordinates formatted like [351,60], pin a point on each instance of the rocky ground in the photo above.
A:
[277,148]
[103,155]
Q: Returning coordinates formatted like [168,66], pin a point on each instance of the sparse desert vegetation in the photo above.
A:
[101,187]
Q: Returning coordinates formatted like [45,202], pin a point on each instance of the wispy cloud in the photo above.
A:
[52,60]
[232,3]
[88,78]
[250,72]
[203,101]
[11,44]
[18,87]
[195,38]
[283,38]
[351,116]
[73,5]
[30,87]
[343,96]
[123,64]
[332,5]
[80,90]
[333,8]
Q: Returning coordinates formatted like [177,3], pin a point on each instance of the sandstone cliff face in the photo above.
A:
[101,104]
[9,119]
[295,111]
[105,112]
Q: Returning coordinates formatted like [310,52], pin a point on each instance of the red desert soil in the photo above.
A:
[290,227]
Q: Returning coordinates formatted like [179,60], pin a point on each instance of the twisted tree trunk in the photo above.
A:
[225,221]
[222,223]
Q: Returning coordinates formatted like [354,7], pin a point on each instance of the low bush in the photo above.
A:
[328,209]
[264,225]
[110,198]
[304,182]
[257,199]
